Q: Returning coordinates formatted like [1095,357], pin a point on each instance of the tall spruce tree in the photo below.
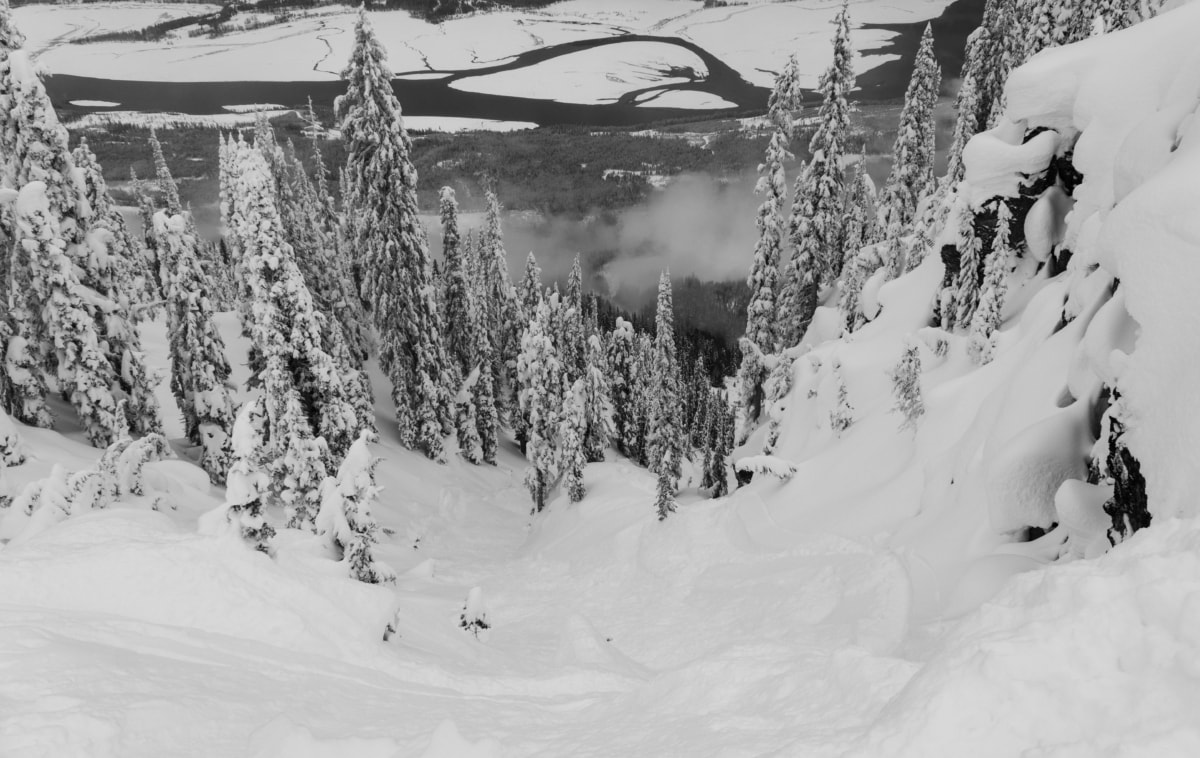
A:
[571,433]
[199,367]
[395,277]
[540,376]
[664,438]
[911,177]
[622,360]
[459,305]
[287,330]
[113,257]
[970,267]
[504,316]
[817,224]
[987,316]
[593,391]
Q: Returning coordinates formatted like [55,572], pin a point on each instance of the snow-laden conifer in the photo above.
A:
[459,306]
[345,515]
[573,344]
[664,436]
[571,434]
[502,312]
[593,390]
[966,287]
[394,272]
[287,331]
[540,377]
[906,386]
[911,176]
[167,187]
[529,292]
[199,367]
[72,349]
[466,421]
[248,484]
[995,285]
[622,361]
[483,396]
[664,503]
[817,225]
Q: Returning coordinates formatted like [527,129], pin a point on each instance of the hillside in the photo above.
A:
[960,538]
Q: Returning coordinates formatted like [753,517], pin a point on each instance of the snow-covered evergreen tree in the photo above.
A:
[622,360]
[664,438]
[483,396]
[966,287]
[751,375]
[644,392]
[572,428]
[573,343]
[529,293]
[287,331]
[298,473]
[466,420]
[540,378]
[862,229]
[906,386]
[394,272]
[249,480]
[599,427]
[763,281]
[166,183]
[72,349]
[345,514]
[502,312]
[817,225]
[459,305]
[995,285]
[199,367]
[474,615]
[664,503]
[911,177]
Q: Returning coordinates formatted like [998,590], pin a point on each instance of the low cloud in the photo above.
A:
[698,225]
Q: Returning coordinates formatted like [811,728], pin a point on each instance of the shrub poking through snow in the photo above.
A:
[63,494]
[474,616]
[906,387]
[345,514]
[768,465]
[125,461]
[10,443]
[842,415]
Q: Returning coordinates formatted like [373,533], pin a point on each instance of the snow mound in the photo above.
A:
[1089,658]
[141,566]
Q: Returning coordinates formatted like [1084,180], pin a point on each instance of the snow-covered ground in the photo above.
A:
[871,603]
[754,37]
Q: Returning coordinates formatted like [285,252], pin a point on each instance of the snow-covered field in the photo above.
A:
[755,38]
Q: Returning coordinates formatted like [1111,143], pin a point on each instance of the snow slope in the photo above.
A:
[876,603]
[753,37]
